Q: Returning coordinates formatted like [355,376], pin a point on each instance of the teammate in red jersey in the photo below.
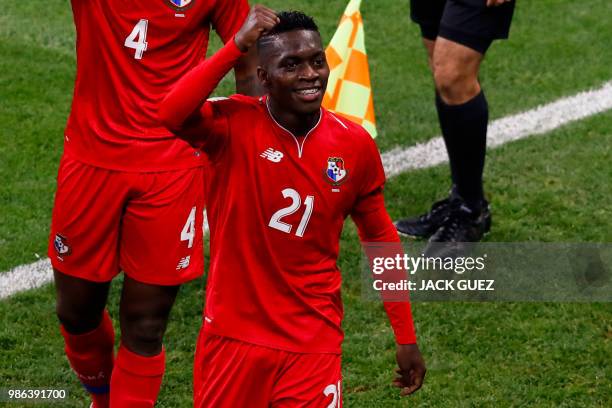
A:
[129,193]
[285,175]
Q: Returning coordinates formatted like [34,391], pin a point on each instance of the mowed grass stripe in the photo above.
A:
[533,122]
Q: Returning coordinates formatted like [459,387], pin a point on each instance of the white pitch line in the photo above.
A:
[539,120]
[25,277]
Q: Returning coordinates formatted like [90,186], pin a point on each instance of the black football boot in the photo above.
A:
[462,227]
[425,225]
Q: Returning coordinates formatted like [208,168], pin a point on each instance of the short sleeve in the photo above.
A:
[228,16]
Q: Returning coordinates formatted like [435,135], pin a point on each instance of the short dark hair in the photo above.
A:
[289,21]
[293,20]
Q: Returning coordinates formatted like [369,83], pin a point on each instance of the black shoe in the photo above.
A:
[460,229]
[425,225]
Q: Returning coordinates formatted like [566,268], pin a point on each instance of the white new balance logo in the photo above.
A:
[183,263]
[272,155]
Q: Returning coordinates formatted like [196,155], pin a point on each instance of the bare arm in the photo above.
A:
[246,74]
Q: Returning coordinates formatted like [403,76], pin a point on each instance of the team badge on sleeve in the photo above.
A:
[336,173]
[61,246]
[180,5]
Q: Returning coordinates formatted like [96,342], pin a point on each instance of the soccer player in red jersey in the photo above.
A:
[285,175]
[129,193]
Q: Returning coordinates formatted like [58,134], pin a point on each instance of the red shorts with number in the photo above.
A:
[147,224]
[229,374]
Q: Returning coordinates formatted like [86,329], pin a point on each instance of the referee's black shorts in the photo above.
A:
[467,22]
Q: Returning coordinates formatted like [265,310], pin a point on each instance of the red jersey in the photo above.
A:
[277,205]
[129,53]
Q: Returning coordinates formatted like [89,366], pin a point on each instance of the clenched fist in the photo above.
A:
[259,20]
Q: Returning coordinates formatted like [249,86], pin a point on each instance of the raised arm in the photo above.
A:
[181,110]
[246,67]
[228,16]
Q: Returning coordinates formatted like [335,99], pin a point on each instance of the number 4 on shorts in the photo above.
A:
[188,232]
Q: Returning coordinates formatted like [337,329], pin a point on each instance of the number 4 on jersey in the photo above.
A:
[137,39]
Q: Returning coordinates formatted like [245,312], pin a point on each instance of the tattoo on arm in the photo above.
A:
[247,82]
[248,85]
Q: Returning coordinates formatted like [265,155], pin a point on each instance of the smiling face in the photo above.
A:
[294,70]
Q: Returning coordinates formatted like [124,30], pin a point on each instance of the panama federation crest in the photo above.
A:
[336,173]
[61,246]
[180,5]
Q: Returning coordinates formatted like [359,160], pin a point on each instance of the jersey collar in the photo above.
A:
[299,143]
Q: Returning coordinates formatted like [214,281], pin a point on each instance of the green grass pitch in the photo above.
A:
[553,188]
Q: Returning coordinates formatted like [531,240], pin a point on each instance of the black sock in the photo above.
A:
[464,128]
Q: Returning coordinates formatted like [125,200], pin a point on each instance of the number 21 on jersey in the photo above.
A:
[137,39]
[296,202]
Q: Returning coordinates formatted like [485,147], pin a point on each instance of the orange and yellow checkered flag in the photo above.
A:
[349,93]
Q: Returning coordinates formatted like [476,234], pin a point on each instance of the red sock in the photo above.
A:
[136,379]
[91,358]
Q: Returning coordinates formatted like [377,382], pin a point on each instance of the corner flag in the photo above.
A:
[349,93]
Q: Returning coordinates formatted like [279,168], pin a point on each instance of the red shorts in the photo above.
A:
[230,373]
[147,224]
